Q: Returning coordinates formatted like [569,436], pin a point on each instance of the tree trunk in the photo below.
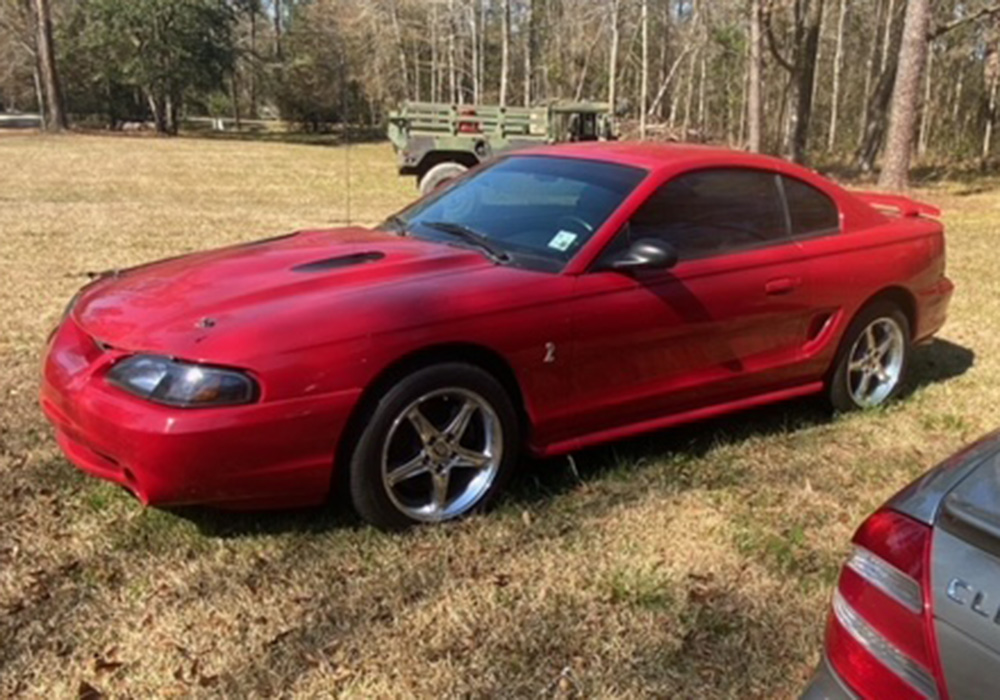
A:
[644,88]
[689,98]
[613,59]
[156,107]
[36,76]
[452,84]
[869,76]
[805,77]
[887,34]
[173,108]
[755,107]
[504,51]
[838,61]
[875,120]
[991,68]
[235,86]
[990,116]
[702,114]
[435,75]
[253,61]
[277,30]
[474,32]
[529,49]
[927,110]
[54,116]
[480,61]
[400,48]
[664,58]
[906,96]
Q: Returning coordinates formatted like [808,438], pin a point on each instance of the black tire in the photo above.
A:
[843,382]
[370,492]
[439,175]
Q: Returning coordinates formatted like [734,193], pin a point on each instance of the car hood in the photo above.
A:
[174,305]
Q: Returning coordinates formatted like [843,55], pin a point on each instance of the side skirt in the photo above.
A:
[625,431]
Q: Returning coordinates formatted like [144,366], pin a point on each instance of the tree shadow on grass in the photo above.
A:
[676,452]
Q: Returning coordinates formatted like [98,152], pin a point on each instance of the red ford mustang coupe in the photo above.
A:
[548,301]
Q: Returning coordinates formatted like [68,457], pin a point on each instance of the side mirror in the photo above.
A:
[645,253]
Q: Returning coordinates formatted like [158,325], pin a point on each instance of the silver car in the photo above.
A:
[916,612]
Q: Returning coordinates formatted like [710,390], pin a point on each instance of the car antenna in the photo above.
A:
[346,137]
[347,169]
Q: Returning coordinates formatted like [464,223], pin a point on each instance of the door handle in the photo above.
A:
[782,285]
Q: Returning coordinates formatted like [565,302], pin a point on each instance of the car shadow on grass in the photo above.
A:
[676,452]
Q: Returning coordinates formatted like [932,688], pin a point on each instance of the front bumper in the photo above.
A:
[266,454]
[825,684]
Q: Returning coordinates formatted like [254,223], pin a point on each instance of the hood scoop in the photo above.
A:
[339,261]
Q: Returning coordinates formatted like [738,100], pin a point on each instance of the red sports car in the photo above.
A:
[550,300]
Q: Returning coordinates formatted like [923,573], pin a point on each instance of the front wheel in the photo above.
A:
[874,359]
[439,445]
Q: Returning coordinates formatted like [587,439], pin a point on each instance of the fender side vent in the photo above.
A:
[340,261]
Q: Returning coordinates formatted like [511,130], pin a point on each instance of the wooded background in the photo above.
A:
[830,80]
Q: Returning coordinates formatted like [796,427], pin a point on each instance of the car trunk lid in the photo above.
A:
[965,581]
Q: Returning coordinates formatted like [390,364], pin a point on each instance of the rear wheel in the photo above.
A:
[873,360]
[439,445]
[439,175]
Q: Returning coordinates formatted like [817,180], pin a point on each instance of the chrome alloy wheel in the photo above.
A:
[441,454]
[876,362]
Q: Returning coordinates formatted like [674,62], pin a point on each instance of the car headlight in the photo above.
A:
[175,383]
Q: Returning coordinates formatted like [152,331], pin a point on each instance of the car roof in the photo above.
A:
[656,155]
[668,159]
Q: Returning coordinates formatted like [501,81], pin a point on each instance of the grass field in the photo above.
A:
[695,562]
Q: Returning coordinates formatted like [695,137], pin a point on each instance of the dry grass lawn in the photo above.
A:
[696,562]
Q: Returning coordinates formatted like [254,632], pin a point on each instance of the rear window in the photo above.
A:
[810,211]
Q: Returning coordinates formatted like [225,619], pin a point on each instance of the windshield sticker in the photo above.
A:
[562,240]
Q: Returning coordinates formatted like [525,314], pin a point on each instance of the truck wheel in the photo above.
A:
[440,174]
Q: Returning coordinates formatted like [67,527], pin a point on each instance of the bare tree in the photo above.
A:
[838,65]
[504,50]
[452,68]
[755,105]
[927,108]
[278,28]
[906,96]
[54,113]
[991,78]
[476,30]
[613,56]
[404,72]
[801,67]
[529,51]
[644,89]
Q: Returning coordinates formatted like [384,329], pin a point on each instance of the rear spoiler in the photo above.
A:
[905,206]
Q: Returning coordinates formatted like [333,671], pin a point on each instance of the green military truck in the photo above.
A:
[436,142]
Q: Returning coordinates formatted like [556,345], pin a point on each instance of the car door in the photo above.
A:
[728,321]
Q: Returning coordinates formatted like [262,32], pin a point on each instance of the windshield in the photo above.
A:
[538,210]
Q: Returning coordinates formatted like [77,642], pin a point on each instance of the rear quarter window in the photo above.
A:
[810,211]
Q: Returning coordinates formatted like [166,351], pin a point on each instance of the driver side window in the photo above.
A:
[713,212]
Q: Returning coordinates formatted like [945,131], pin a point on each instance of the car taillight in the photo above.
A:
[880,633]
